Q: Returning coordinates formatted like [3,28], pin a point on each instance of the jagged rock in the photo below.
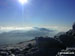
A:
[48,42]
[67,40]
[48,46]
[73,26]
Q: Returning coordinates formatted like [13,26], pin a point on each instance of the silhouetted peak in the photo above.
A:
[73,26]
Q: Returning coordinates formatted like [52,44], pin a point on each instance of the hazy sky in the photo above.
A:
[37,13]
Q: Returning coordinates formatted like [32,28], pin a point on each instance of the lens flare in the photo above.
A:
[23,1]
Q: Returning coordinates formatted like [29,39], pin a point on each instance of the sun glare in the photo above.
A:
[23,1]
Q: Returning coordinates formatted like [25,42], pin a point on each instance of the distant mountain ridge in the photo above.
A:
[16,36]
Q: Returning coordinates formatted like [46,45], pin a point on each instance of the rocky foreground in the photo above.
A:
[43,46]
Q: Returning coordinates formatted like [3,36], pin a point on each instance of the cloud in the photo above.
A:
[58,28]
[15,28]
[7,29]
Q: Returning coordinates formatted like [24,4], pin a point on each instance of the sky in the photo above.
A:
[37,13]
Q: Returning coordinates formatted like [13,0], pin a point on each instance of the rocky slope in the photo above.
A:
[41,46]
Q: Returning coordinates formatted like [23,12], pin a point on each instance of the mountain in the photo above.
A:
[16,36]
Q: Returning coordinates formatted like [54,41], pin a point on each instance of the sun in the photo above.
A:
[23,1]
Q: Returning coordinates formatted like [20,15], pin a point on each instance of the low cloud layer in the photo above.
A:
[10,28]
